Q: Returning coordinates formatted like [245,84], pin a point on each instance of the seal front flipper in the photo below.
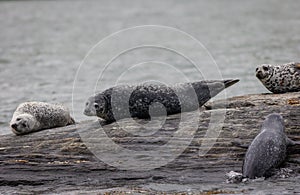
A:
[103,122]
[71,121]
[238,143]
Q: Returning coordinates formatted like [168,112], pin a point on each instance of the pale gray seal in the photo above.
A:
[268,149]
[144,95]
[33,116]
[280,78]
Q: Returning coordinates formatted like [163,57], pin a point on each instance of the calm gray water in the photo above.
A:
[42,44]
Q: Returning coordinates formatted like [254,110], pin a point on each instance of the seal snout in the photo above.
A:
[86,112]
[14,126]
[259,74]
[89,112]
[16,129]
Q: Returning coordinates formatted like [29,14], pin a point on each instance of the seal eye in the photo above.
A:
[86,104]
[18,119]
[23,125]
[265,68]
[256,69]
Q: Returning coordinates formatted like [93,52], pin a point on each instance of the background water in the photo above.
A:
[42,44]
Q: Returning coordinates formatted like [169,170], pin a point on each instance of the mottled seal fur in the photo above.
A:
[268,149]
[280,78]
[135,100]
[33,116]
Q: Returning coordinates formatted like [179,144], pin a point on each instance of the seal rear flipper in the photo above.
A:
[234,177]
[290,142]
[297,65]
[214,87]
[238,143]
[71,122]
[272,172]
[230,82]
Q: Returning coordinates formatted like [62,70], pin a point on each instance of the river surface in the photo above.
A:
[43,43]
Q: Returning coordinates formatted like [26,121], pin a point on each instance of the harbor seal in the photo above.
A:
[139,98]
[268,149]
[33,116]
[280,78]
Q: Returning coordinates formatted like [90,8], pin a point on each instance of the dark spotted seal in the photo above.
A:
[280,78]
[268,149]
[126,101]
[33,116]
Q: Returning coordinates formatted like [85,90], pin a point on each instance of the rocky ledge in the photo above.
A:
[190,153]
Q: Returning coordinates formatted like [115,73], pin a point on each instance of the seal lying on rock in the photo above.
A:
[268,149]
[33,116]
[280,78]
[126,101]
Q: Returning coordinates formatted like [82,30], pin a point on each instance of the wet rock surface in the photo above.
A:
[65,159]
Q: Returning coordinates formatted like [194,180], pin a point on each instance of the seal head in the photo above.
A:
[96,106]
[264,72]
[274,122]
[23,124]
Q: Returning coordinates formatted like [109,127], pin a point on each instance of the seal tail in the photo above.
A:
[72,121]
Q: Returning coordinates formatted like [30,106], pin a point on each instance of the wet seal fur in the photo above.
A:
[143,96]
[268,149]
[280,78]
[34,116]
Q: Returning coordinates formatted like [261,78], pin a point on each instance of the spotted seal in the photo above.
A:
[33,116]
[280,78]
[138,98]
[268,149]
